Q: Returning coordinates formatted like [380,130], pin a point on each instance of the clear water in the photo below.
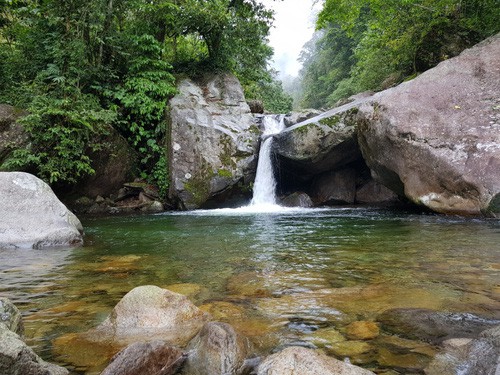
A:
[285,277]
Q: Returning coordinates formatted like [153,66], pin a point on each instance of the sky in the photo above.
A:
[293,27]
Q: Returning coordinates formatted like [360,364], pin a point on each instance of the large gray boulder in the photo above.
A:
[217,349]
[322,143]
[298,360]
[436,139]
[213,140]
[149,313]
[32,215]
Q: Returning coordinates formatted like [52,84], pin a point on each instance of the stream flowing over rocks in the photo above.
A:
[213,141]
[32,215]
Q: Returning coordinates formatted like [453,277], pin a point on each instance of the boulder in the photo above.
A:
[256,106]
[436,139]
[480,356]
[297,199]
[10,316]
[297,117]
[434,326]
[12,134]
[155,357]
[362,330]
[374,193]
[148,313]
[337,187]
[217,349]
[299,360]
[214,140]
[32,215]
[17,358]
[322,143]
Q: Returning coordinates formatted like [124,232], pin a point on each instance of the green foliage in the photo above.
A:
[371,45]
[271,93]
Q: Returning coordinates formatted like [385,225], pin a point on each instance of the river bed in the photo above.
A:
[290,277]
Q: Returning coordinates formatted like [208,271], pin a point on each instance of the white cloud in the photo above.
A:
[293,27]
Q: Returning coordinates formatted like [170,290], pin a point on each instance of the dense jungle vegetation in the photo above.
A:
[81,66]
[365,45]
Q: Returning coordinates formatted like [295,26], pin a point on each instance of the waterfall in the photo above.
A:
[264,189]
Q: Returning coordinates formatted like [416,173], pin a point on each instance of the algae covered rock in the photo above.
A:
[214,140]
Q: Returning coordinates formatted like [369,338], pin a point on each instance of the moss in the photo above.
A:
[254,129]
[225,156]
[199,185]
[224,173]
[346,118]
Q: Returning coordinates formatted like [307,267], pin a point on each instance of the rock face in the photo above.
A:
[155,357]
[336,187]
[436,139]
[213,140]
[32,216]
[298,360]
[297,199]
[150,313]
[217,349]
[322,143]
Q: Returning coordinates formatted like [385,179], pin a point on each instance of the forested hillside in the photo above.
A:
[80,66]
[372,45]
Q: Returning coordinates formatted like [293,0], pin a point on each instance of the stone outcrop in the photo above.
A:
[322,143]
[15,356]
[301,116]
[155,357]
[336,187]
[32,216]
[217,349]
[297,199]
[148,313]
[374,193]
[213,140]
[436,139]
[298,360]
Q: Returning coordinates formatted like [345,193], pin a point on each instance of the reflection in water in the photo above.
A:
[280,278]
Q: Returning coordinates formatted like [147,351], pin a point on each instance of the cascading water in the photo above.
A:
[264,189]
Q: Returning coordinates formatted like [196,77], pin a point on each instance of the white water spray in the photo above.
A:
[264,189]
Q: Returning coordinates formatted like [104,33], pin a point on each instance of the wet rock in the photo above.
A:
[214,139]
[155,357]
[337,187]
[17,358]
[434,326]
[298,360]
[256,106]
[374,193]
[408,361]
[217,349]
[32,215]
[148,313]
[327,336]
[362,330]
[351,349]
[436,139]
[298,117]
[10,316]
[320,144]
[297,199]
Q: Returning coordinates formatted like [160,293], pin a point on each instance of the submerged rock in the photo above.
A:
[298,360]
[434,326]
[155,357]
[217,349]
[32,215]
[148,313]
[436,139]
[214,140]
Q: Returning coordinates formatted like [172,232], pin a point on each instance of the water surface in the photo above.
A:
[281,278]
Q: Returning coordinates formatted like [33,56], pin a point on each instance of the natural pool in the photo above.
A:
[280,278]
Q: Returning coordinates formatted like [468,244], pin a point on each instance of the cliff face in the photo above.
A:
[213,141]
